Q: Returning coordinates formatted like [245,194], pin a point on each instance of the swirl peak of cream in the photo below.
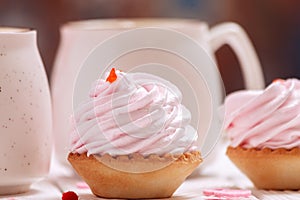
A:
[265,119]
[133,113]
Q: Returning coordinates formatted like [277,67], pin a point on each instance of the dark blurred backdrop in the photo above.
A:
[273,26]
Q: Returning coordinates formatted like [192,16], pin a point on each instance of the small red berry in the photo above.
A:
[70,195]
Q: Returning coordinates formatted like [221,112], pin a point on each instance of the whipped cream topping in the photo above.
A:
[265,119]
[133,113]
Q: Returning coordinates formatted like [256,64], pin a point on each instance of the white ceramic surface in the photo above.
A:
[79,38]
[25,112]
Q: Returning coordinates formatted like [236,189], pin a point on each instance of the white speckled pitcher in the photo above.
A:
[79,38]
[25,112]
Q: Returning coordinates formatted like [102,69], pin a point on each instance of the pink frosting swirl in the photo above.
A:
[265,119]
[137,113]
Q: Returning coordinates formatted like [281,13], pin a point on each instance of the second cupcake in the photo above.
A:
[264,132]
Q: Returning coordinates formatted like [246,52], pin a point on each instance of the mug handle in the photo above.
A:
[234,35]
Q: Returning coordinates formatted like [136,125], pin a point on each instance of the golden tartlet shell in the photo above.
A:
[109,182]
[277,169]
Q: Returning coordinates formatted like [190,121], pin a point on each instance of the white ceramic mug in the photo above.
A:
[79,38]
[25,112]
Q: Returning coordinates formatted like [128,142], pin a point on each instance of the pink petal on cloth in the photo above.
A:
[82,185]
[231,193]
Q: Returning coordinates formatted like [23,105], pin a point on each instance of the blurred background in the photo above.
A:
[272,25]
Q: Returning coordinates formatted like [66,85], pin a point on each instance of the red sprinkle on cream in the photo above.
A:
[278,80]
[112,75]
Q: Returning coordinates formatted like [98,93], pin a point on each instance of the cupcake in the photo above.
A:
[132,138]
[264,132]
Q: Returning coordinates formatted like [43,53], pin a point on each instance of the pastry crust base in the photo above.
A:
[269,169]
[108,182]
